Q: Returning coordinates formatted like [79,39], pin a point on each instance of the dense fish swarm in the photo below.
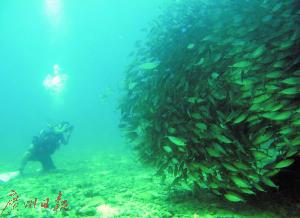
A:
[213,94]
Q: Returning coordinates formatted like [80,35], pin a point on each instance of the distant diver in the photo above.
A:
[44,145]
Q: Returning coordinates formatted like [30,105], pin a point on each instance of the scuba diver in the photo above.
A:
[44,145]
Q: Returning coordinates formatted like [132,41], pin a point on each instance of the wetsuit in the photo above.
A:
[42,147]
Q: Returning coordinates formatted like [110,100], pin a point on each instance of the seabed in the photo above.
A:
[117,185]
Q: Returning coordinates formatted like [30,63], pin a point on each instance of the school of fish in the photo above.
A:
[212,96]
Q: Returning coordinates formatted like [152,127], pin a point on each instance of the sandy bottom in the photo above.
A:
[117,185]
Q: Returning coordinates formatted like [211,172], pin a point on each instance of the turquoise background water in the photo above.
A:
[90,40]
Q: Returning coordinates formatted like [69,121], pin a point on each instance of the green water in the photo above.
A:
[90,42]
[140,81]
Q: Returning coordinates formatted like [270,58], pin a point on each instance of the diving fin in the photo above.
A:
[5,177]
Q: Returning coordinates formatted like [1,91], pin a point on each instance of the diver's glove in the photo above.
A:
[68,135]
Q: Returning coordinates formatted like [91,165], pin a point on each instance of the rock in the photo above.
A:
[86,211]
[107,211]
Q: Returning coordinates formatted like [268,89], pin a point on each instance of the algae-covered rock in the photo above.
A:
[86,211]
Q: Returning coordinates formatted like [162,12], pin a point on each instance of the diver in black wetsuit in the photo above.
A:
[44,145]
